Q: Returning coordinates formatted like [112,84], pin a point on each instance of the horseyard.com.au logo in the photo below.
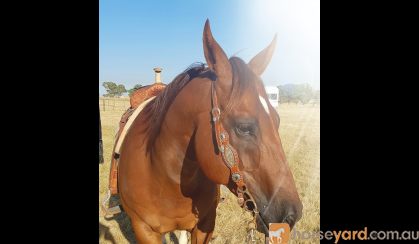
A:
[279,233]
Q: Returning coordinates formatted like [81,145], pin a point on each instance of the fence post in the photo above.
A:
[117,104]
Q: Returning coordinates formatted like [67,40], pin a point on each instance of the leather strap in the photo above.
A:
[230,156]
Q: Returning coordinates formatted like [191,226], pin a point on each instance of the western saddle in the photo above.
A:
[138,100]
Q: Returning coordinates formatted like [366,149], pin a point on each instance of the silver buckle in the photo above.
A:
[216,112]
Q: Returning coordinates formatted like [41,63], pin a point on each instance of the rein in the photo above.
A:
[231,160]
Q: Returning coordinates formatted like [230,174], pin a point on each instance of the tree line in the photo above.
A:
[115,90]
[298,93]
[288,93]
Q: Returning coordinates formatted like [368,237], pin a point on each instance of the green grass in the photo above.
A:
[300,135]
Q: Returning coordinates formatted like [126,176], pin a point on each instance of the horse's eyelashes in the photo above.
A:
[245,129]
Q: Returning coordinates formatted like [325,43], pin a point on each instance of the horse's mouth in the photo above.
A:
[262,226]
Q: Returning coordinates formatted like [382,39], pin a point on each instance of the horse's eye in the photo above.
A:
[245,129]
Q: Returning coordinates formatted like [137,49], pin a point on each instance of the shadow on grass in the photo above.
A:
[123,221]
[104,231]
[125,226]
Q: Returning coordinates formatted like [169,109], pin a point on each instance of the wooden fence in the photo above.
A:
[113,104]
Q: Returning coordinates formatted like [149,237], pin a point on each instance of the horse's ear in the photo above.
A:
[259,63]
[216,58]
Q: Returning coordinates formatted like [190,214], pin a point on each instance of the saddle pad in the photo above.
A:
[139,99]
[134,115]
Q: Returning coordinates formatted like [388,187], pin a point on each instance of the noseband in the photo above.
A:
[231,159]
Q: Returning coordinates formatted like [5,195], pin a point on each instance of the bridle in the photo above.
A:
[231,160]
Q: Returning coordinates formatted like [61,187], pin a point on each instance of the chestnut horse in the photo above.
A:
[170,167]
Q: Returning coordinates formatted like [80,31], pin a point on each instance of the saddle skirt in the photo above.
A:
[138,100]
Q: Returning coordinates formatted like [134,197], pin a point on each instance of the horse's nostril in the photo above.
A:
[290,219]
[293,214]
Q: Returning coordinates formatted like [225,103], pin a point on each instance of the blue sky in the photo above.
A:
[136,36]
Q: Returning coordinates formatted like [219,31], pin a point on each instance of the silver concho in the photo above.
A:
[229,155]
[223,136]
[235,177]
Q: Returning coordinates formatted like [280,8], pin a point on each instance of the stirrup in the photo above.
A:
[110,211]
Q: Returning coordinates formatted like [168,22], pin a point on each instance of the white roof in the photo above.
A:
[271,89]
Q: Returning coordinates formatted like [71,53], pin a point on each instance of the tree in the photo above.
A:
[113,90]
[136,87]
[121,90]
[285,93]
[110,88]
[304,93]
[295,93]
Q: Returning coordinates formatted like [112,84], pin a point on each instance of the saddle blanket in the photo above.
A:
[139,99]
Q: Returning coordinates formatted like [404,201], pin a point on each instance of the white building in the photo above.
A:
[273,95]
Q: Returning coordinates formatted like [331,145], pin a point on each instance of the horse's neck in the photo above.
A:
[174,147]
[172,156]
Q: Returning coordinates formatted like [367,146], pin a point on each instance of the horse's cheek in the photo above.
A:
[210,163]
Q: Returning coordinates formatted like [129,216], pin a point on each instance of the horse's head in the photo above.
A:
[252,124]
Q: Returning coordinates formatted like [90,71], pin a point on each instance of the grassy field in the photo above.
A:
[300,134]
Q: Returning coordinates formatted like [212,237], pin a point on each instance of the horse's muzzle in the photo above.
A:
[290,215]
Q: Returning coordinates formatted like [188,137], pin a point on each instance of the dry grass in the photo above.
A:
[300,134]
